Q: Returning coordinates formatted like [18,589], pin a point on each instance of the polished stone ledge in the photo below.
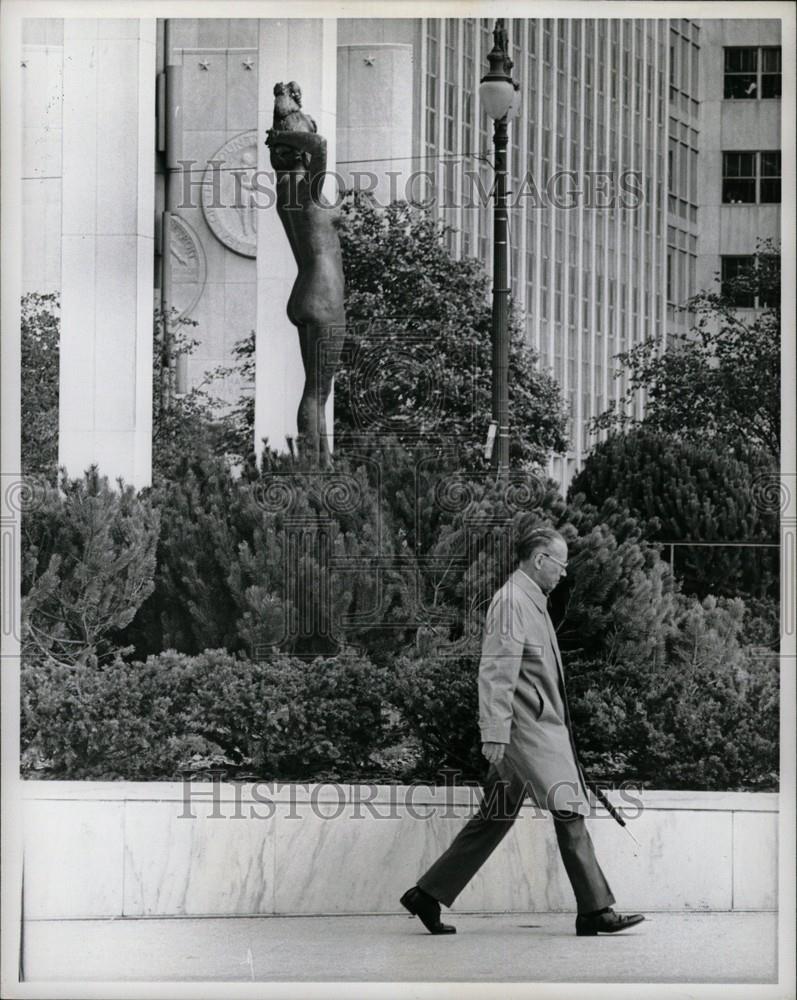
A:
[174,791]
[138,849]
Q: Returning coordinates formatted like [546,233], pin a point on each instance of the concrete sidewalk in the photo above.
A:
[668,947]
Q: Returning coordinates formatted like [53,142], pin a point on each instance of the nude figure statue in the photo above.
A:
[315,307]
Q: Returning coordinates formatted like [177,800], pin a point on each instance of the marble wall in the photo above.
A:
[219,64]
[107,247]
[92,197]
[375,134]
[42,135]
[95,849]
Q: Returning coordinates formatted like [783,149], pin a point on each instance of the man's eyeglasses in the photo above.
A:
[559,563]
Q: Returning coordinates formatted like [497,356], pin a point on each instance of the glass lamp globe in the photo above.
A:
[496,97]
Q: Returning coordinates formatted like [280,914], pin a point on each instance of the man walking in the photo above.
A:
[527,739]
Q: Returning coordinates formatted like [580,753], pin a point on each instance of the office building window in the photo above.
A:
[769,282]
[468,84]
[682,174]
[432,68]
[741,73]
[752,73]
[734,286]
[770,73]
[752,282]
[449,87]
[670,290]
[738,178]
[769,178]
[751,178]
[684,63]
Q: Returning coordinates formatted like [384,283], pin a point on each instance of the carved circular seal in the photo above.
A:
[189,265]
[229,201]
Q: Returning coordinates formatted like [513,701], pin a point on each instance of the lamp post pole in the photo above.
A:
[500,325]
[499,95]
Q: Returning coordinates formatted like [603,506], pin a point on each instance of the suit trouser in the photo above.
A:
[477,840]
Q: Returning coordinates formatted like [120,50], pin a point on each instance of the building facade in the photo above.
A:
[739,175]
[587,169]
[644,160]
[680,109]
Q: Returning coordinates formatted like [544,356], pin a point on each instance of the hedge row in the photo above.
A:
[666,689]
[701,712]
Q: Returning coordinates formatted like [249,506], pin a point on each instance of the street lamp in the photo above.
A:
[500,97]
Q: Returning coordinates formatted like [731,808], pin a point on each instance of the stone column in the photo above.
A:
[105,410]
[42,87]
[301,49]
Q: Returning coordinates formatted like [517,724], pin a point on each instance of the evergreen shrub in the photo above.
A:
[233,554]
[689,491]
[280,718]
[88,561]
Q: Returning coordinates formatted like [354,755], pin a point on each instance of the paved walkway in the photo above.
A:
[668,947]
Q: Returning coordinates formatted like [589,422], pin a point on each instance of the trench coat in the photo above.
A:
[522,698]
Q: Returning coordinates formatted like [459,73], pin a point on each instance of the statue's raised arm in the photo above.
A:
[289,148]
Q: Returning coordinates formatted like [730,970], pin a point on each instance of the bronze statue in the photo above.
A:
[315,306]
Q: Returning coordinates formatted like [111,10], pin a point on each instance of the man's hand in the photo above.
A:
[494,752]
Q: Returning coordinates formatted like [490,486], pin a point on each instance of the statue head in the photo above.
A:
[291,91]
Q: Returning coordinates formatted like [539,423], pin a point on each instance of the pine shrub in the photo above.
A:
[686,491]
[87,566]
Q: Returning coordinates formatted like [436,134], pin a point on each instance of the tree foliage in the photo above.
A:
[650,671]
[193,424]
[408,538]
[87,566]
[39,383]
[418,358]
[284,557]
[721,380]
[416,363]
[700,711]
[664,689]
[698,492]
[196,422]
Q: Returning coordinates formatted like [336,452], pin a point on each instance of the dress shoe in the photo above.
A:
[605,922]
[421,904]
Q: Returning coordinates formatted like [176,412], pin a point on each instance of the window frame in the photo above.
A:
[754,301]
[754,180]
[741,262]
[756,75]
[775,179]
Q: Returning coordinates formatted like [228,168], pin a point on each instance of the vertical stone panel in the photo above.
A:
[105,412]
[755,861]
[219,68]
[375,111]
[73,859]
[77,348]
[42,87]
